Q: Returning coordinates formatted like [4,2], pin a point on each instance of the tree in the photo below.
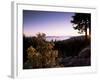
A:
[34,58]
[40,53]
[41,36]
[82,22]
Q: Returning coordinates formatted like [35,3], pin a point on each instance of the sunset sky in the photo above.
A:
[50,23]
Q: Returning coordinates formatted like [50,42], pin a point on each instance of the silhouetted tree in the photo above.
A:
[39,53]
[82,22]
[41,36]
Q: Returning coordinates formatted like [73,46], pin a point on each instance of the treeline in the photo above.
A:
[72,46]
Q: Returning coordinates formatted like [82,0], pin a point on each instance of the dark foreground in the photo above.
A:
[73,52]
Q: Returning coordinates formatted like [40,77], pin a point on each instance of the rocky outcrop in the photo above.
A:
[83,59]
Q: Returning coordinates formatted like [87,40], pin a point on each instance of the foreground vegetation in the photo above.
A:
[75,51]
[39,53]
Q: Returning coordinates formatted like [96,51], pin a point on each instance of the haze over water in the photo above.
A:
[57,38]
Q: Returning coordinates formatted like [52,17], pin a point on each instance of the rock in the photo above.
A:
[83,59]
[85,53]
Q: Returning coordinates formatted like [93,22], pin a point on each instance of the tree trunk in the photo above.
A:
[85,33]
[89,32]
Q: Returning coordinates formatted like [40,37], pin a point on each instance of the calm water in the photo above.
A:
[57,38]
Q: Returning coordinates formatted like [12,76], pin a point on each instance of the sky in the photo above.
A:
[50,23]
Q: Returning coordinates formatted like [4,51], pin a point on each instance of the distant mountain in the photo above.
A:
[57,38]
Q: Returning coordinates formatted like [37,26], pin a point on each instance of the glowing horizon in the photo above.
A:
[50,23]
[74,33]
